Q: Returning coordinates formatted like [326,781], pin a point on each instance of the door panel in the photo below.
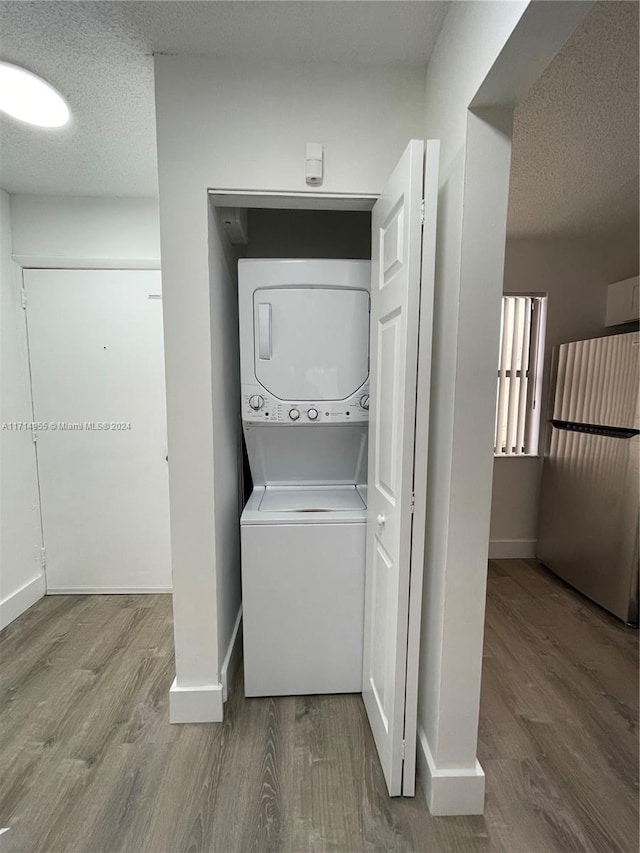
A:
[391,234]
[312,343]
[96,350]
[386,424]
[395,304]
[382,570]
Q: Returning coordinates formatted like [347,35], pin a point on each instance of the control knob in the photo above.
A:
[256,402]
[312,414]
[294,414]
[364,401]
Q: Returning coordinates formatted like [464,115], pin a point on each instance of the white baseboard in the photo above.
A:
[512,549]
[20,600]
[107,590]
[449,791]
[195,704]
[204,704]
[232,657]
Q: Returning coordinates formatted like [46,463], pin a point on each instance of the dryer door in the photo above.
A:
[311,343]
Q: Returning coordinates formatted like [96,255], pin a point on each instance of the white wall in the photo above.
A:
[574,272]
[41,230]
[21,575]
[223,125]
[85,228]
[503,48]
[450,659]
[227,436]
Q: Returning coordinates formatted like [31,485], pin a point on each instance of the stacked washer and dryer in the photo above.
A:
[304,362]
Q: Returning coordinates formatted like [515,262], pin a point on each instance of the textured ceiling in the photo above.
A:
[575,153]
[575,144]
[99,54]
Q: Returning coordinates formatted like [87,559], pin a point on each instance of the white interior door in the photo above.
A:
[97,367]
[393,586]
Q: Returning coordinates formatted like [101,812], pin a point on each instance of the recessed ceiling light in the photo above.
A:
[29,98]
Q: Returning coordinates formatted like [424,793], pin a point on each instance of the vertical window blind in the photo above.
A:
[517,408]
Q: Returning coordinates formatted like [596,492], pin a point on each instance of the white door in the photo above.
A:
[97,368]
[393,580]
[311,343]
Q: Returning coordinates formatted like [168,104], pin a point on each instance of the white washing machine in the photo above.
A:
[304,357]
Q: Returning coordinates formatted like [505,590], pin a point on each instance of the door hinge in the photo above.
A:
[43,557]
[413,502]
[422,211]
[23,297]
[403,750]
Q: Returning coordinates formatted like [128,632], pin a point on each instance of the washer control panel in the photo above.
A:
[258,406]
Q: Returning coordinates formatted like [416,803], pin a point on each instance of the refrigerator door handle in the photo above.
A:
[596,429]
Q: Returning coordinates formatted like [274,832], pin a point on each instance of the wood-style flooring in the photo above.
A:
[90,763]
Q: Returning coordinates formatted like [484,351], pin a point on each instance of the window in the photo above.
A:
[520,375]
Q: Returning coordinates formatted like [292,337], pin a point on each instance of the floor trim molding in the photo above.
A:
[107,590]
[449,791]
[201,704]
[22,599]
[232,657]
[512,549]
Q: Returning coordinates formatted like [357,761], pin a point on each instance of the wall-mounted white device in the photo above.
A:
[314,163]
[623,303]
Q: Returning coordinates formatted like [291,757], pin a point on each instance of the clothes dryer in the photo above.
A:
[304,341]
[304,360]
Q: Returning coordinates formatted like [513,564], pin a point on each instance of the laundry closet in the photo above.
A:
[331,362]
[304,371]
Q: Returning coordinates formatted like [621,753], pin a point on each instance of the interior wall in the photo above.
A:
[47,229]
[22,580]
[620,251]
[224,125]
[86,228]
[486,58]
[309,234]
[227,435]
[472,36]
[574,272]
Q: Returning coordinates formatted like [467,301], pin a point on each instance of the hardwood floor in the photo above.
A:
[90,762]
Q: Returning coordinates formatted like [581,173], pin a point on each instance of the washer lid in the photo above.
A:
[310,499]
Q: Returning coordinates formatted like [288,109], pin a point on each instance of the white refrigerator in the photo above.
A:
[589,506]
